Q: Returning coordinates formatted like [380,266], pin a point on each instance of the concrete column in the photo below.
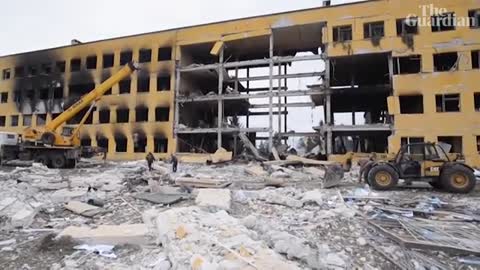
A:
[329,142]
[285,101]
[130,146]
[390,69]
[176,115]
[220,101]
[270,99]
[96,116]
[328,110]
[150,143]
[248,91]
[280,100]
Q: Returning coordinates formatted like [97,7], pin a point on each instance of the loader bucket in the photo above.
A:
[333,176]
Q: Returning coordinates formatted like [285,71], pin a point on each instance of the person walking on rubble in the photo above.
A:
[150,159]
[174,163]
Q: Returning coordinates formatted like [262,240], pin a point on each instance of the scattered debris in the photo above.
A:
[161,198]
[452,237]
[83,209]
[245,216]
[248,144]
[202,182]
[102,250]
[214,198]
[108,234]
[255,170]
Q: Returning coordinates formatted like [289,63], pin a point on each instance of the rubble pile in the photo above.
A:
[270,215]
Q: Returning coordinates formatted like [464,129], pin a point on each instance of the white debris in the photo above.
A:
[280,174]
[283,200]
[19,214]
[313,196]
[108,234]
[186,231]
[361,241]
[8,242]
[214,199]
[102,250]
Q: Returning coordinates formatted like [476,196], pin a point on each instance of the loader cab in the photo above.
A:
[420,160]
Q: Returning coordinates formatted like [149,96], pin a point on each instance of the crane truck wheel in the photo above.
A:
[58,161]
[42,159]
[458,179]
[382,177]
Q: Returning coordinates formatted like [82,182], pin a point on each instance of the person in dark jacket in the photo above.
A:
[174,163]
[150,159]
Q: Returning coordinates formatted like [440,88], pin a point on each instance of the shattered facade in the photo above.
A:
[406,83]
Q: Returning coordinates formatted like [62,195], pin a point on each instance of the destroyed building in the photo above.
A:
[406,81]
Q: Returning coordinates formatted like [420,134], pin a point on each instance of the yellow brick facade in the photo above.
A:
[429,125]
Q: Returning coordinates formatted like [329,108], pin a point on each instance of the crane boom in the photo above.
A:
[87,99]
[48,135]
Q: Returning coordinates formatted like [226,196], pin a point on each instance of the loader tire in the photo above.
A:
[382,177]
[458,179]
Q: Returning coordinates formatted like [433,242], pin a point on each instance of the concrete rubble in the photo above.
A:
[118,215]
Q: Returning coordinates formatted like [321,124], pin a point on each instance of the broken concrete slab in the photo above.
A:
[315,172]
[255,170]
[232,244]
[65,195]
[275,153]
[275,182]
[194,158]
[313,196]
[214,198]
[307,161]
[202,182]
[221,155]
[23,218]
[8,242]
[7,202]
[283,200]
[83,209]
[43,185]
[135,234]
[161,198]
[19,214]
[169,190]
[248,144]
[280,174]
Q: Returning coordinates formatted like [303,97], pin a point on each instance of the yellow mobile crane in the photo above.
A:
[44,144]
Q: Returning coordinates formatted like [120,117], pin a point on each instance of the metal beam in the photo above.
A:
[262,89]
[296,134]
[290,105]
[256,62]
[346,128]
[292,93]
[222,130]
[284,76]
[265,113]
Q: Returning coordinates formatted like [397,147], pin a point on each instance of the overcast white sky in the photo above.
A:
[29,25]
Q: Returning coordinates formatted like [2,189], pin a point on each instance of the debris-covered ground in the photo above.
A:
[230,216]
